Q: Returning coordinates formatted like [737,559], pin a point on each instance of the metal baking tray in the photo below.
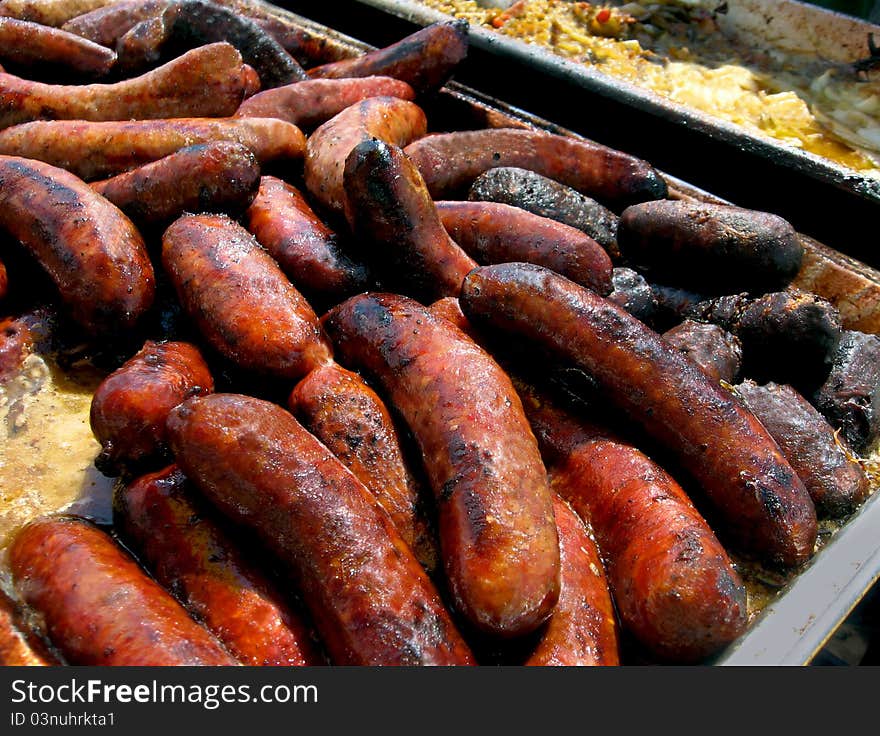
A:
[831,202]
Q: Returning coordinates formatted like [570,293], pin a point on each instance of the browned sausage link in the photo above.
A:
[498,540]
[313,102]
[492,232]
[191,555]
[394,219]
[716,248]
[307,250]
[221,176]
[206,82]
[388,119]
[99,607]
[583,628]
[91,250]
[97,150]
[546,197]
[451,161]
[130,406]
[676,590]
[240,299]
[19,646]
[711,347]
[759,498]
[425,59]
[836,481]
[32,45]
[107,24]
[342,411]
[48,12]
[371,601]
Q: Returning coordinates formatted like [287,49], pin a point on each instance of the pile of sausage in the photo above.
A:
[445,398]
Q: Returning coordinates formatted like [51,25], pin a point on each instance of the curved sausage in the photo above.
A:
[369,598]
[425,59]
[33,45]
[396,223]
[342,411]
[388,119]
[91,250]
[308,251]
[498,539]
[763,504]
[492,232]
[48,12]
[451,161]
[221,176]
[94,150]
[130,406]
[240,299]
[191,555]
[98,606]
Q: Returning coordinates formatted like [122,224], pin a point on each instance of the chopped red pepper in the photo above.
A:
[603,16]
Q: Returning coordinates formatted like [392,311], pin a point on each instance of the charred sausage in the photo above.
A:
[715,350]
[632,292]
[35,46]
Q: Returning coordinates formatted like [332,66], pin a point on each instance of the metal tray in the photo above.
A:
[831,202]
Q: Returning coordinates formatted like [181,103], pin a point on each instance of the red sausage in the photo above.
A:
[35,45]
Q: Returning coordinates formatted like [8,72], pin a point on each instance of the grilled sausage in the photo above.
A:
[221,176]
[342,411]
[19,646]
[713,248]
[632,292]
[191,555]
[98,606]
[240,299]
[92,252]
[716,351]
[97,150]
[312,103]
[105,25]
[583,628]
[308,251]
[836,481]
[498,539]
[451,161]
[369,598]
[546,197]
[850,396]
[394,219]
[130,406]
[206,82]
[389,119]
[48,12]
[491,232]
[425,59]
[41,48]
[675,588]
[761,501]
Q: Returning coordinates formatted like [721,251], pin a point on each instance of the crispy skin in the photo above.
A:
[492,232]
[546,197]
[715,350]
[675,588]
[388,119]
[582,631]
[240,299]
[130,406]
[89,248]
[48,12]
[307,250]
[369,598]
[99,607]
[837,483]
[34,45]
[425,59]
[206,82]
[498,539]
[313,102]
[395,221]
[712,248]
[19,646]
[450,162]
[340,409]
[220,176]
[761,502]
[192,556]
[97,150]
